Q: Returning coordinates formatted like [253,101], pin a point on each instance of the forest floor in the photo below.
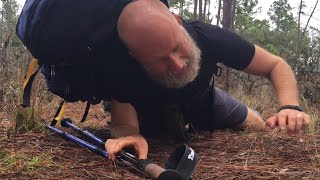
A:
[222,154]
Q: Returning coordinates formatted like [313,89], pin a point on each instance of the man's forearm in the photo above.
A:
[123,131]
[279,72]
[124,120]
[285,84]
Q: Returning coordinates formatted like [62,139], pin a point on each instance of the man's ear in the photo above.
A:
[178,18]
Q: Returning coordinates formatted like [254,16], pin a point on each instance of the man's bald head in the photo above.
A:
[159,42]
[145,22]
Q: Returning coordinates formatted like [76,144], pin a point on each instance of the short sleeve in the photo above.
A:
[224,45]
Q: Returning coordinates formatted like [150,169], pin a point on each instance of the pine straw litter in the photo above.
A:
[223,155]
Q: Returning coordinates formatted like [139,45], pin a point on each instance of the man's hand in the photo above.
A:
[137,142]
[125,129]
[292,121]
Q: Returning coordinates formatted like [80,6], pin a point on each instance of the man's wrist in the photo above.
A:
[294,107]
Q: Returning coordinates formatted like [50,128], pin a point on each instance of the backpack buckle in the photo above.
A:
[218,72]
[52,73]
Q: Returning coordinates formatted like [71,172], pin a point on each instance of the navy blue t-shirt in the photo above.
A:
[129,82]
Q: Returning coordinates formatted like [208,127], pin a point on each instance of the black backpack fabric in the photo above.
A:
[64,36]
[56,31]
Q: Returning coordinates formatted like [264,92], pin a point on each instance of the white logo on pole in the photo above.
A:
[191,155]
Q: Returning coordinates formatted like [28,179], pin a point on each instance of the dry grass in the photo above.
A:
[263,100]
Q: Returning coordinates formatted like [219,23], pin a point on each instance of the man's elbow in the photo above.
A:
[280,66]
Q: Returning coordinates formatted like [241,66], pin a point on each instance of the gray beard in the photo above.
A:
[192,66]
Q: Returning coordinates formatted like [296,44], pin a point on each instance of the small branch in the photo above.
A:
[305,28]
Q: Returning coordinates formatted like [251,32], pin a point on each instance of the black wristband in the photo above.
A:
[298,108]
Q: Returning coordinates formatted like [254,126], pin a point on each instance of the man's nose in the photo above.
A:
[176,63]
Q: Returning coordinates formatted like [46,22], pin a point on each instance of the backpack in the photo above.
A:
[63,37]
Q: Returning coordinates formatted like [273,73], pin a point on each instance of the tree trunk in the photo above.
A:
[200,10]
[299,20]
[227,22]
[181,8]
[1,39]
[219,13]
[227,14]
[233,14]
[195,15]
[208,13]
[297,47]
[205,11]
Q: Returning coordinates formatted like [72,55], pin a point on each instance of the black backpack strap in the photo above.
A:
[59,114]
[86,111]
[166,2]
[28,81]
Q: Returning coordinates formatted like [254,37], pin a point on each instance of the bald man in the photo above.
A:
[178,59]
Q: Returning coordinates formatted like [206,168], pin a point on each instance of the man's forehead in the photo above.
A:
[159,44]
[159,34]
[147,28]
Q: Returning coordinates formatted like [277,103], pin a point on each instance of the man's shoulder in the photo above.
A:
[208,32]
[197,24]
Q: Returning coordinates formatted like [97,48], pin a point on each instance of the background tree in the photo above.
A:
[281,15]
[10,47]
[227,22]
[218,17]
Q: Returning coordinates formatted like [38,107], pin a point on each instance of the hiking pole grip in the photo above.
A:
[156,172]
[152,170]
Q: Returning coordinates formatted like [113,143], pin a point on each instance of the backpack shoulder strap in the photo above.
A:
[166,2]
[28,81]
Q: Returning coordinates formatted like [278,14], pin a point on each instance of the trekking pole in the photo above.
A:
[68,124]
[152,170]
[79,141]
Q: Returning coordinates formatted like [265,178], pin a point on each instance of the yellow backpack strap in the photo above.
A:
[27,84]
[59,114]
